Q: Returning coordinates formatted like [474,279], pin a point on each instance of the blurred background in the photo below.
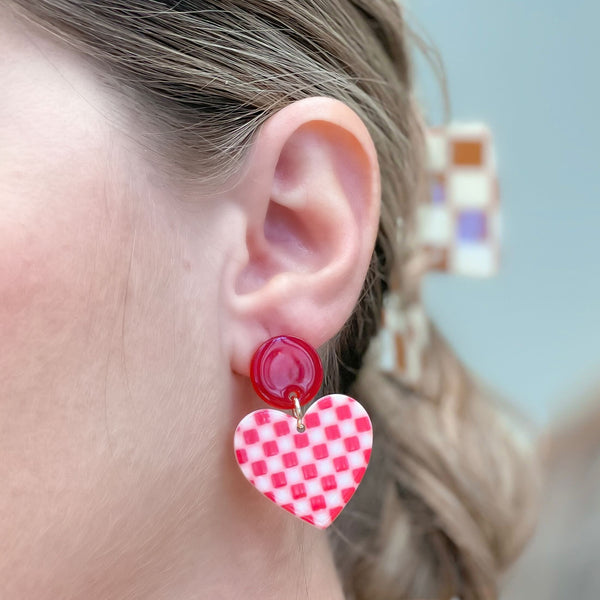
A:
[529,71]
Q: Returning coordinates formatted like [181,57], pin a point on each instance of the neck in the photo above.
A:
[251,548]
[231,542]
[258,550]
[193,529]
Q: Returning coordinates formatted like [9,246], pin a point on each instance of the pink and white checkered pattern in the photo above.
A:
[313,474]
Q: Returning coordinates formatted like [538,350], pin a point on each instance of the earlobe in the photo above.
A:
[310,193]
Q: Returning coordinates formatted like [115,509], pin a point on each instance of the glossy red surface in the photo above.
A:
[283,366]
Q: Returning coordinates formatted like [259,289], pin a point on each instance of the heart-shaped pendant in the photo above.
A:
[312,474]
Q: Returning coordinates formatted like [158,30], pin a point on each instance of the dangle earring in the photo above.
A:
[309,464]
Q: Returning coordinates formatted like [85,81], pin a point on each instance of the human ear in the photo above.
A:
[310,195]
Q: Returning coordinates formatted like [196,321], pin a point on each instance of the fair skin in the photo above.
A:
[130,308]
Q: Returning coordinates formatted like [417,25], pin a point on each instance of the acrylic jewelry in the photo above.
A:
[309,464]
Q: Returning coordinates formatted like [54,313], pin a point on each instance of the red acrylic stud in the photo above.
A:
[285,367]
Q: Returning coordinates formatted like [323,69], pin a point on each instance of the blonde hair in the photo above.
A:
[444,506]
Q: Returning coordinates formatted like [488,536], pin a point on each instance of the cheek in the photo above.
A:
[55,220]
[56,238]
[35,261]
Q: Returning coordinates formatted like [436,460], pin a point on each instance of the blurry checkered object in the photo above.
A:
[458,229]
[461,221]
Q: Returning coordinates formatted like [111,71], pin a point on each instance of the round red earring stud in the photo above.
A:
[311,464]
